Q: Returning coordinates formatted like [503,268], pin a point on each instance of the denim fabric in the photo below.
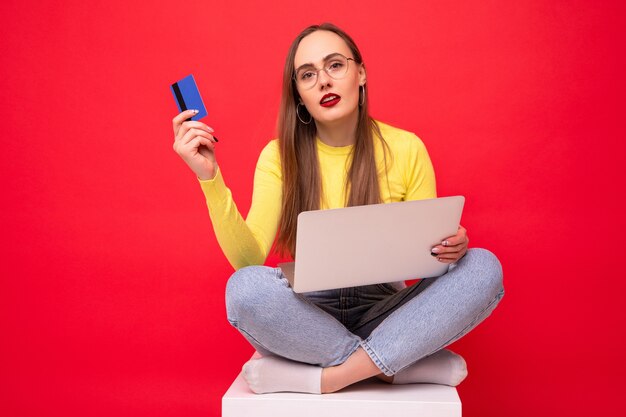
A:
[395,327]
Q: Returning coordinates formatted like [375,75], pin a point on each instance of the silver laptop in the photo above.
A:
[371,244]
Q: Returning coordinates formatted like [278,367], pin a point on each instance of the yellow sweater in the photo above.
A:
[248,242]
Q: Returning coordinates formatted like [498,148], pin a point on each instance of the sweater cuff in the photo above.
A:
[213,189]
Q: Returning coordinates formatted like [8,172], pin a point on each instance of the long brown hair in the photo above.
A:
[302,187]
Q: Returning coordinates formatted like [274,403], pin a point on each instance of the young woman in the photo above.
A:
[330,153]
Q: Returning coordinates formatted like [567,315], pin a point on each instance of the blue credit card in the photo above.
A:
[188,97]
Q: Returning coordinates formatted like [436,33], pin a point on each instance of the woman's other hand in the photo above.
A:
[195,144]
[453,248]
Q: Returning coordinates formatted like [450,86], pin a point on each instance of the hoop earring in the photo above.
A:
[300,118]
[362,100]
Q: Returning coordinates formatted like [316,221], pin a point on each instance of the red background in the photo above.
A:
[112,280]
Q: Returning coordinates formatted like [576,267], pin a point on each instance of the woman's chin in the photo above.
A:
[333,118]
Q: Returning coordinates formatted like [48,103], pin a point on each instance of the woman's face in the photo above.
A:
[316,49]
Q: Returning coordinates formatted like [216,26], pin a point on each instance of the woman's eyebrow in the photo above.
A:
[310,64]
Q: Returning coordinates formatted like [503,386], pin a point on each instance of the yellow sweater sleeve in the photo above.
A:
[419,172]
[247,242]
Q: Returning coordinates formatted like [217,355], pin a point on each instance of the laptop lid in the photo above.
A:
[371,244]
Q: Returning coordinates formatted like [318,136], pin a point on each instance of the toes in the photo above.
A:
[460,371]
[250,374]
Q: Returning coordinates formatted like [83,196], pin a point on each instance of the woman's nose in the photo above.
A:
[323,79]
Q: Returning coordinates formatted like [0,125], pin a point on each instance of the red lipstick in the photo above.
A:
[330,100]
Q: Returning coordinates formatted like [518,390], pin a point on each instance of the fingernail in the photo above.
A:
[435,250]
[433,254]
[210,129]
[444,243]
[194,110]
[216,139]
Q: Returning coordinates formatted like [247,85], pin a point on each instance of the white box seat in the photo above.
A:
[371,398]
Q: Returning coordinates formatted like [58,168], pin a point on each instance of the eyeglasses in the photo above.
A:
[336,66]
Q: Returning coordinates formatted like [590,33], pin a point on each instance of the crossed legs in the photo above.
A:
[307,350]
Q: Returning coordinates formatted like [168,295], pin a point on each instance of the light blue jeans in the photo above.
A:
[395,327]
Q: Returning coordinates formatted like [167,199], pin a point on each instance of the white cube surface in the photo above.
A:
[371,398]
